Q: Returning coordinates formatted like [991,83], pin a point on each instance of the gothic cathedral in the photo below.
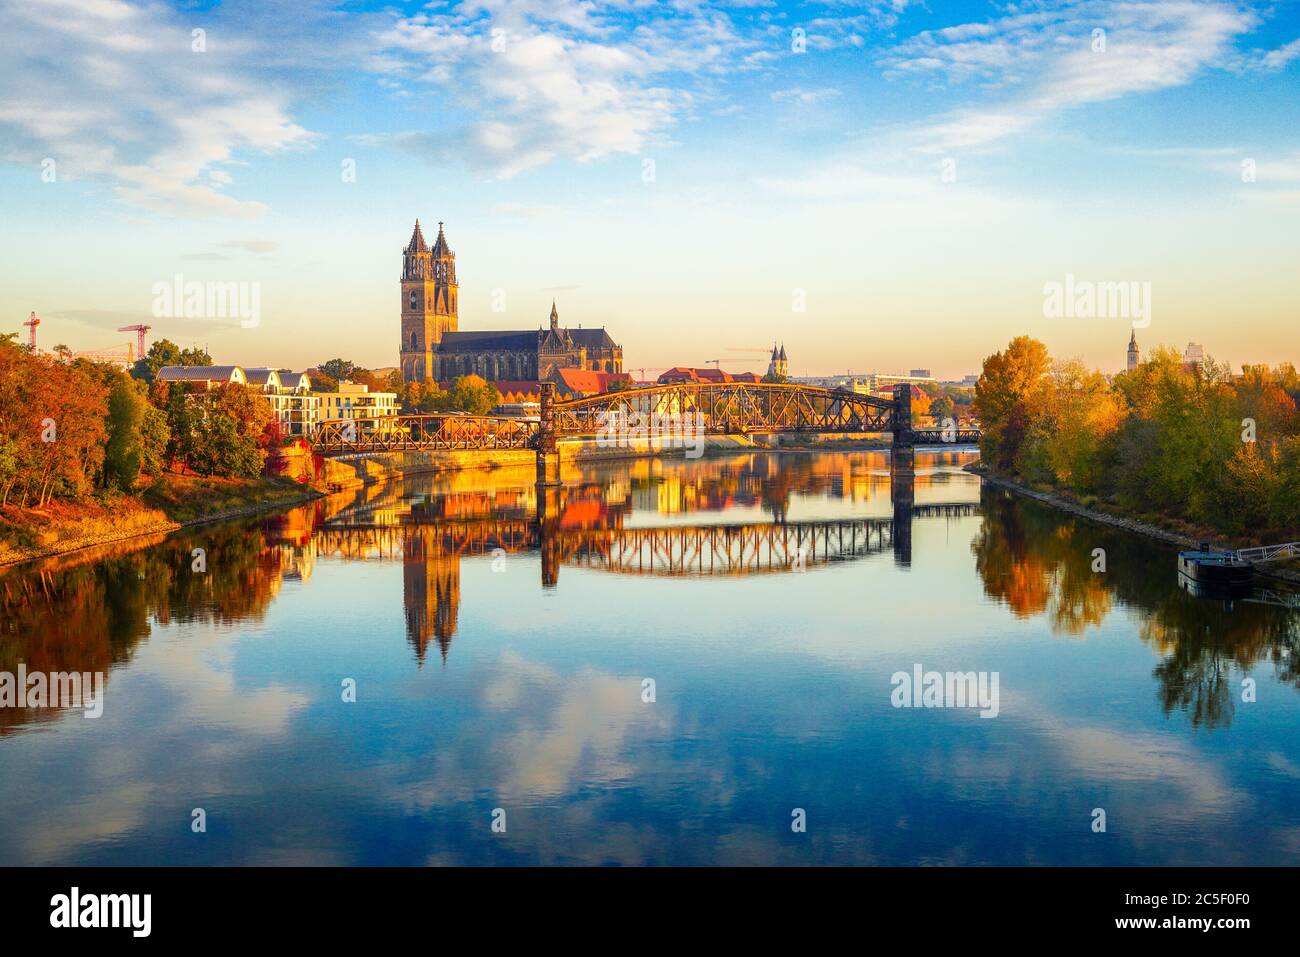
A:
[435,350]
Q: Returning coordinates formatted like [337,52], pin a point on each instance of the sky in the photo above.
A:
[880,185]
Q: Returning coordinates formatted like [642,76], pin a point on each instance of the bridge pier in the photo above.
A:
[548,450]
[902,475]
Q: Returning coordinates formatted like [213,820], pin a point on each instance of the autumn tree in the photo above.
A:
[473,394]
[1011,383]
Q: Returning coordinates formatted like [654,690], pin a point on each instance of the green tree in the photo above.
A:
[164,352]
[124,450]
[475,395]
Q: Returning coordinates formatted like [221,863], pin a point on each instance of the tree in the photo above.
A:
[473,394]
[943,408]
[339,369]
[164,352]
[124,450]
[1011,383]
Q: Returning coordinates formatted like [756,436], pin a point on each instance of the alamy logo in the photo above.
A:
[179,299]
[948,689]
[103,910]
[1085,299]
[671,430]
[58,689]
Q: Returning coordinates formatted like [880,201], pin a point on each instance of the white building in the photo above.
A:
[296,408]
[355,401]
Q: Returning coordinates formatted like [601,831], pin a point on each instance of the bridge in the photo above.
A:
[675,415]
[695,550]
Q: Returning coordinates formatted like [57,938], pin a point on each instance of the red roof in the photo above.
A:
[688,374]
[590,381]
[518,386]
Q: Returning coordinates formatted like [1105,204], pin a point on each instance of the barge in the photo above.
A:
[1211,569]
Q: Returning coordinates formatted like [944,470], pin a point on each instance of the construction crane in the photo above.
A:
[717,363]
[140,331]
[32,322]
[765,350]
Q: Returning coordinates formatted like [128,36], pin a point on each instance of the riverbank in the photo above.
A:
[1181,536]
[172,502]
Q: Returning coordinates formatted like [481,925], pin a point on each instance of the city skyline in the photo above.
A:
[923,174]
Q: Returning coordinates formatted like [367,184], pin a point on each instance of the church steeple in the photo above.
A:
[1133,355]
[555,318]
[429,302]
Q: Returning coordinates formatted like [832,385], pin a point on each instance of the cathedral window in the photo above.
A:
[412,298]
[414,346]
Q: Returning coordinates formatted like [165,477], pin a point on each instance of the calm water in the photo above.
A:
[500,662]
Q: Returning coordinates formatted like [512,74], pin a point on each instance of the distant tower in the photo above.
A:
[778,366]
[32,322]
[555,318]
[429,303]
[1133,358]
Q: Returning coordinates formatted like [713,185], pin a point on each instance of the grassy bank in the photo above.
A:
[165,505]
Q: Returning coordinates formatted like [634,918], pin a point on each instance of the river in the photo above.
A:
[684,662]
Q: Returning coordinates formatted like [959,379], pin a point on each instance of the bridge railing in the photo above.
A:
[435,431]
[1269,553]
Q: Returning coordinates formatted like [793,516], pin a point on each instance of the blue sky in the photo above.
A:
[781,162]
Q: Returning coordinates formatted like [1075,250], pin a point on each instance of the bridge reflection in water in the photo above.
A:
[579,526]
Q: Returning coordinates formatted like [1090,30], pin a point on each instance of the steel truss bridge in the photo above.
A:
[665,551]
[668,413]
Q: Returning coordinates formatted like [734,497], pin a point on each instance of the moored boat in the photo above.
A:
[1210,568]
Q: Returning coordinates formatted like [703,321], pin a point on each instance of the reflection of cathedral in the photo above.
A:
[430,590]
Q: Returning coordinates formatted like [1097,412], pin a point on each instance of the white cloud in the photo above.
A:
[113,90]
[546,81]
[1048,59]
[804,97]
[1279,58]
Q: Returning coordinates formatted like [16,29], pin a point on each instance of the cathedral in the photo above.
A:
[435,350]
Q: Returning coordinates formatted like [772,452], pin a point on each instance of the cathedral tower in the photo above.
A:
[779,367]
[429,306]
[1133,358]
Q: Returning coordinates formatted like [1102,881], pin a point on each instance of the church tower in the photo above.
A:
[779,367]
[429,306]
[1133,358]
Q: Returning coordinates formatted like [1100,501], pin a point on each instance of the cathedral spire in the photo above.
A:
[416,245]
[441,248]
[555,317]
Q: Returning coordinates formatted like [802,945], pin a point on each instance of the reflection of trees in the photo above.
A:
[88,617]
[1039,561]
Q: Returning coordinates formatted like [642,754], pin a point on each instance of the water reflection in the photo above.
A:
[1040,562]
[499,644]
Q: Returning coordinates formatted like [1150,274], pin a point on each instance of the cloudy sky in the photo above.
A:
[880,184]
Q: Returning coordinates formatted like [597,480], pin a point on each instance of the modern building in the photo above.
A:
[433,349]
[883,382]
[355,401]
[295,406]
[205,378]
[921,374]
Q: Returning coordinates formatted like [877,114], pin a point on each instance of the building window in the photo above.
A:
[414,347]
[412,298]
